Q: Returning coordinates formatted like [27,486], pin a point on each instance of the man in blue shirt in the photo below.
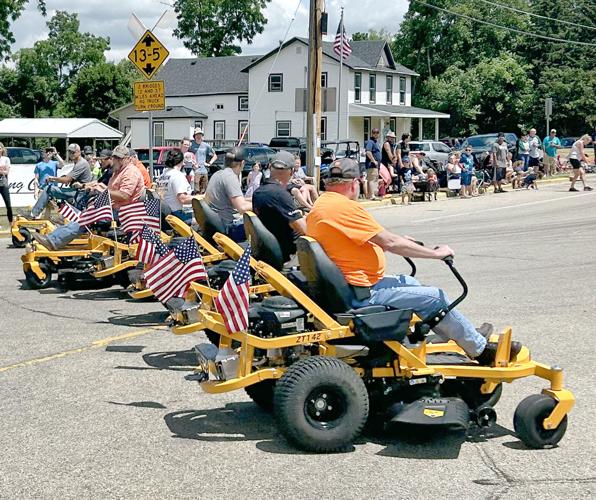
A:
[551,144]
[373,160]
[201,150]
[44,169]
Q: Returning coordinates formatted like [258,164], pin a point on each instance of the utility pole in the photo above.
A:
[313,115]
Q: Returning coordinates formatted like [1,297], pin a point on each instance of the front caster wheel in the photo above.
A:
[35,281]
[528,422]
[320,404]
[25,233]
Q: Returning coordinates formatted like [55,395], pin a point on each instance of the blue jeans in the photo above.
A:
[183,216]
[525,157]
[236,231]
[55,192]
[63,235]
[405,292]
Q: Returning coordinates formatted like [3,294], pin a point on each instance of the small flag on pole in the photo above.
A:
[99,211]
[69,212]
[232,300]
[150,247]
[341,45]
[171,276]
[135,215]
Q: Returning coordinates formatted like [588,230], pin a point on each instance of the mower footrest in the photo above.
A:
[446,412]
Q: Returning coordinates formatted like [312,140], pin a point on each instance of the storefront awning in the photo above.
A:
[388,110]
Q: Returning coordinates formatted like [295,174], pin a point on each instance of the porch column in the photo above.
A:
[420,128]
[436,129]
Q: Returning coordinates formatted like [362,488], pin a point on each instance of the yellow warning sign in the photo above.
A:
[148,54]
[433,413]
[149,96]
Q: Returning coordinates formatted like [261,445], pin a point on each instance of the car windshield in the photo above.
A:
[481,142]
[143,155]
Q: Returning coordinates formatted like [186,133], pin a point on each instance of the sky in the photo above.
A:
[109,18]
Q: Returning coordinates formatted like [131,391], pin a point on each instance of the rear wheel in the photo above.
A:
[529,418]
[25,233]
[320,404]
[35,281]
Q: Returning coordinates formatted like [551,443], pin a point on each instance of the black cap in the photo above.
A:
[500,134]
[105,153]
[234,155]
[88,150]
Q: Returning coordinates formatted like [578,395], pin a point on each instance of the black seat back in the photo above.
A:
[207,219]
[326,283]
[264,245]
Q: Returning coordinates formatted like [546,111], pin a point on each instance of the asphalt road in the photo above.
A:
[85,417]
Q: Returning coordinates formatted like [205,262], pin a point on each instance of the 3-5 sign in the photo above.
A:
[148,54]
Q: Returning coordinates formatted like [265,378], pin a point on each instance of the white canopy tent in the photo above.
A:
[59,128]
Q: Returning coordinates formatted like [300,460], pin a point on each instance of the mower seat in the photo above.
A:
[328,287]
[264,245]
[207,219]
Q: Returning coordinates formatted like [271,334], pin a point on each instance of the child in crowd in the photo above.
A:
[407,182]
[509,172]
[530,179]
[433,183]
[253,180]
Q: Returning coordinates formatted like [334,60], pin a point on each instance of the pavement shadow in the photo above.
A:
[141,404]
[153,318]
[103,295]
[171,360]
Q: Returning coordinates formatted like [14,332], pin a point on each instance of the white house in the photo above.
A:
[223,94]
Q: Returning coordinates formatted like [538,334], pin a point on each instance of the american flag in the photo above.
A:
[232,300]
[69,212]
[135,215]
[171,276]
[150,247]
[100,210]
[341,42]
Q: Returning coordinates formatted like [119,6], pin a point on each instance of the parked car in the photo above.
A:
[452,142]
[295,145]
[483,143]
[435,151]
[159,157]
[23,156]
[567,142]
[252,153]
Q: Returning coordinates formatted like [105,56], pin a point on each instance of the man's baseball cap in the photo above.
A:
[74,147]
[198,130]
[234,155]
[88,150]
[344,168]
[105,153]
[120,152]
[283,160]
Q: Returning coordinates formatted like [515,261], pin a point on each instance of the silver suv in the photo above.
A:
[435,151]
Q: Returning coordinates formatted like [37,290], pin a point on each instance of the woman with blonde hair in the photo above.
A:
[577,156]
[4,170]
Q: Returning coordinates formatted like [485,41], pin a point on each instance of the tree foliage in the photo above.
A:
[10,11]
[491,79]
[96,90]
[45,71]
[212,28]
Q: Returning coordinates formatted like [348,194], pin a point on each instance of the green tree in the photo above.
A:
[371,34]
[9,91]
[45,70]
[10,11]
[212,28]
[96,90]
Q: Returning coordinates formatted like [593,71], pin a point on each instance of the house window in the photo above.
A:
[402,89]
[323,128]
[324,78]
[243,124]
[243,103]
[366,128]
[219,106]
[393,124]
[357,86]
[276,82]
[198,123]
[283,128]
[158,135]
[372,88]
[219,130]
[389,89]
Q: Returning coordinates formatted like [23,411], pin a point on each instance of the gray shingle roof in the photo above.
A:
[365,54]
[206,75]
[170,112]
